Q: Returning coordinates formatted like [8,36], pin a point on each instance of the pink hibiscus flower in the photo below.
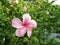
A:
[25,26]
[25,8]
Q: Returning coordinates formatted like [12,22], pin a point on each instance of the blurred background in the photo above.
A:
[45,12]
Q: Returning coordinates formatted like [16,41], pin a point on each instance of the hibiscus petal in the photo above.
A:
[33,24]
[29,32]
[26,18]
[16,23]
[20,32]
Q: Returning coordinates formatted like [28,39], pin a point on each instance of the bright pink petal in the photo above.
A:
[20,32]
[26,18]
[29,32]
[33,24]
[16,23]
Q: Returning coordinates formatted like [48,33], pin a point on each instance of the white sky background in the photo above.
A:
[57,2]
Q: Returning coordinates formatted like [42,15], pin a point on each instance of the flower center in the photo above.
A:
[25,24]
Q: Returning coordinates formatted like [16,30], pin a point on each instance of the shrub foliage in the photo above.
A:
[46,15]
